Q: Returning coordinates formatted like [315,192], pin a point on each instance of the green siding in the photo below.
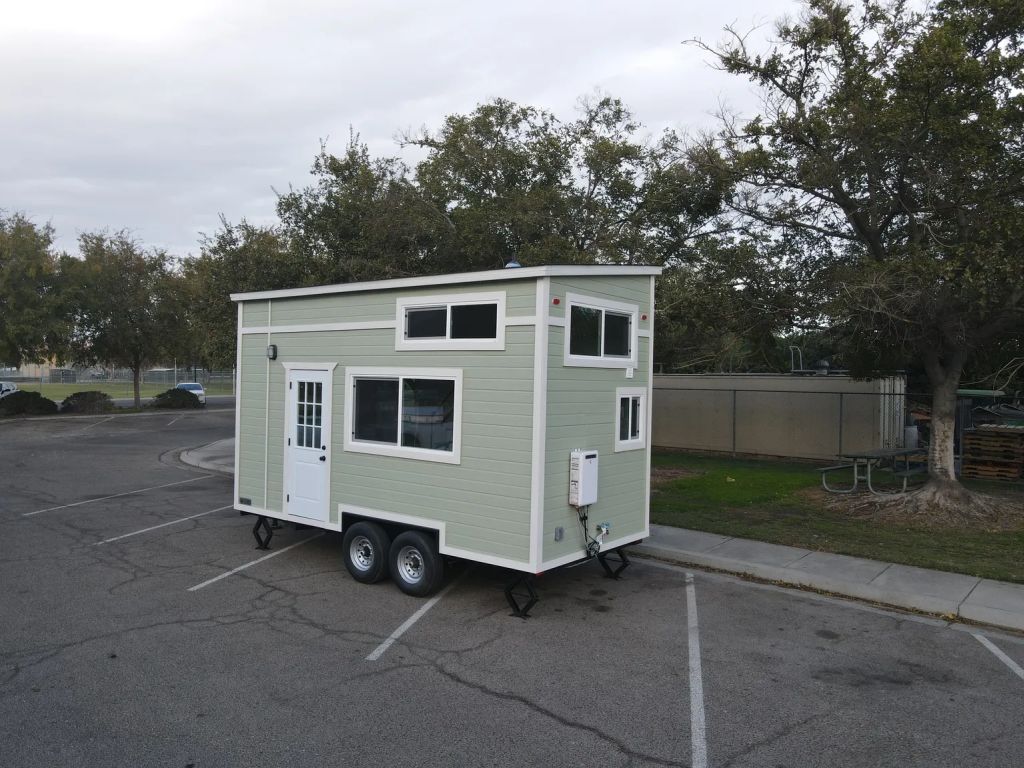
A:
[485,500]
[254,314]
[252,399]
[379,306]
[581,414]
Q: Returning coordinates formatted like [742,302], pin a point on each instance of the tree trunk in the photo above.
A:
[136,375]
[941,464]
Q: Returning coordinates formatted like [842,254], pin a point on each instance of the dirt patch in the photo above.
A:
[661,476]
[922,509]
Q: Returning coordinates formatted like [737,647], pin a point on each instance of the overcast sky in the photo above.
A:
[158,117]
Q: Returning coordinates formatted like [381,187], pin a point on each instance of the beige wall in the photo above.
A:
[815,417]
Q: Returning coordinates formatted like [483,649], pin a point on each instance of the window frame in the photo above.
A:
[639,442]
[447,301]
[604,305]
[352,445]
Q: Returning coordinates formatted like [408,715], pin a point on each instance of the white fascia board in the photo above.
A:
[486,276]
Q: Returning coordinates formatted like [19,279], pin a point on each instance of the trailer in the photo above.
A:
[501,417]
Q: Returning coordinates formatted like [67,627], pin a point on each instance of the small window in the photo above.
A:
[426,323]
[463,321]
[630,414]
[601,334]
[413,415]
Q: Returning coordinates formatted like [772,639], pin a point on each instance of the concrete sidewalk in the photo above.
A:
[952,595]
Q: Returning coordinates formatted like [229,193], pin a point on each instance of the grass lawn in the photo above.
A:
[116,389]
[780,503]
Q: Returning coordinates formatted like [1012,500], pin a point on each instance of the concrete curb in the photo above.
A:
[194,458]
[883,595]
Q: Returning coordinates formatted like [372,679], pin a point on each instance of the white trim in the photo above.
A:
[540,405]
[400,451]
[369,325]
[488,276]
[238,402]
[582,553]
[266,414]
[521,320]
[436,525]
[449,300]
[254,510]
[587,361]
[644,333]
[327,368]
[650,411]
[558,322]
[633,444]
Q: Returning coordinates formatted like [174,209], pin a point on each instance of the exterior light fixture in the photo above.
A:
[272,351]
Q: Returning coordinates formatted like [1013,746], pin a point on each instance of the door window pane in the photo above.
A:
[428,413]
[475,321]
[375,414]
[616,334]
[585,331]
[634,430]
[623,418]
[426,323]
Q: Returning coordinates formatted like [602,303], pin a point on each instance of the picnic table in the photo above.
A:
[862,462]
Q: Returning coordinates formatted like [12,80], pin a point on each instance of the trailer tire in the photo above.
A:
[366,546]
[416,565]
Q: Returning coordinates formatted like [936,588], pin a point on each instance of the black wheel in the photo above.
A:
[416,565]
[366,547]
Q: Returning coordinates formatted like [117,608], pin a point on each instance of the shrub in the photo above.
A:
[176,398]
[22,403]
[87,402]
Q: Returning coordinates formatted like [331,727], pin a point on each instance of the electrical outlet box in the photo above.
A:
[582,477]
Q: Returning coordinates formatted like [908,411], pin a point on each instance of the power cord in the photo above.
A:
[593,546]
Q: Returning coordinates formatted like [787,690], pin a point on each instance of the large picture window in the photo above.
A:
[630,418]
[600,334]
[413,413]
[463,321]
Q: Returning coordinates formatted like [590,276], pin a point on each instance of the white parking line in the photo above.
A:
[114,496]
[174,420]
[90,426]
[162,525]
[420,612]
[233,571]
[1013,665]
[698,735]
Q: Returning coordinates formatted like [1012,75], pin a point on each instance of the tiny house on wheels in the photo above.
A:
[502,417]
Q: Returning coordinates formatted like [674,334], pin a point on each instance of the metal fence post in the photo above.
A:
[734,422]
[840,453]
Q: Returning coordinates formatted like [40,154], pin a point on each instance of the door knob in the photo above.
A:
[323,458]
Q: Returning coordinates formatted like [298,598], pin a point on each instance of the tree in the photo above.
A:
[363,219]
[235,259]
[892,139]
[30,324]
[125,302]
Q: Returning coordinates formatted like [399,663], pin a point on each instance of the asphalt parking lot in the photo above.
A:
[130,637]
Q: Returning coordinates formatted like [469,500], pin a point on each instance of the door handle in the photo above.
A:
[323,458]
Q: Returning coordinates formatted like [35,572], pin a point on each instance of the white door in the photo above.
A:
[307,451]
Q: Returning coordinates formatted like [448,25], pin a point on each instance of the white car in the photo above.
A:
[195,388]
[7,387]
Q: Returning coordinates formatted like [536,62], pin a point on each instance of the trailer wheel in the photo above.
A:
[416,565]
[366,546]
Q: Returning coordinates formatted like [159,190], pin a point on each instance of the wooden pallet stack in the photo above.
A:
[994,452]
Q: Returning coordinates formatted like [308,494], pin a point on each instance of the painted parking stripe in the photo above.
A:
[163,525]
[404,627]
[233,571]
[114,496]
[1013,665]
[698,734]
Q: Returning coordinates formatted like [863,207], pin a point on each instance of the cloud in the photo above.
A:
[159,118]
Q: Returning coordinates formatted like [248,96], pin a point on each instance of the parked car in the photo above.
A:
[195,388]
[6,387]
